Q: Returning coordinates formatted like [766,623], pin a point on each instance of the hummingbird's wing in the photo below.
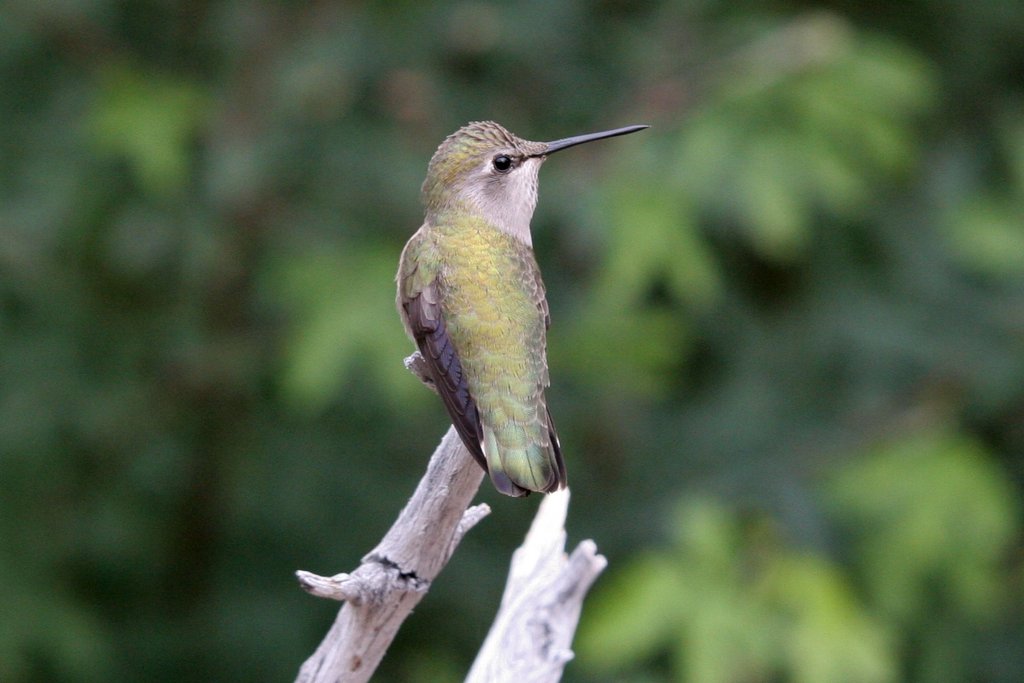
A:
[419,304]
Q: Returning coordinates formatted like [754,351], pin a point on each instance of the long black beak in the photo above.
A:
[566,143]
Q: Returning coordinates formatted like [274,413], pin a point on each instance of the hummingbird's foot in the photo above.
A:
[418,366]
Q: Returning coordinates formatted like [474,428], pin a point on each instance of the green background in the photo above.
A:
[787,352]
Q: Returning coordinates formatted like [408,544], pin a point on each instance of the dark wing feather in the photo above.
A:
[423,314]
[560,480]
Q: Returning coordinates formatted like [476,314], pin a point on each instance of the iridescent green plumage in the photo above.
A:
[471,297]
[491,301]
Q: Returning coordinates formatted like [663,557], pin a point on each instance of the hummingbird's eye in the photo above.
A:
[502,163]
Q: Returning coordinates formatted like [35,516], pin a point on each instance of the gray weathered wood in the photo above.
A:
[396,574]
[531,638]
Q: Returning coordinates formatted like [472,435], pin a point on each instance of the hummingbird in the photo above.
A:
[471,298]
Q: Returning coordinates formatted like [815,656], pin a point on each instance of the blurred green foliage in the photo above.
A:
[931,521]
[787,351]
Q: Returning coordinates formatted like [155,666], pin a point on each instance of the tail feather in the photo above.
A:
[505,485]
[516,470]
[556,449]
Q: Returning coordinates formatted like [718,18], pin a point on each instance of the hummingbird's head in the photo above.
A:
[490,171]
[484,166]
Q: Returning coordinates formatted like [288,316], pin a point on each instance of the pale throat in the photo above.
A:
[507,203]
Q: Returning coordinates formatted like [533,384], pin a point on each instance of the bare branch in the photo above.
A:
[531,638]
[337,587]
[417,365]
[396,574]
